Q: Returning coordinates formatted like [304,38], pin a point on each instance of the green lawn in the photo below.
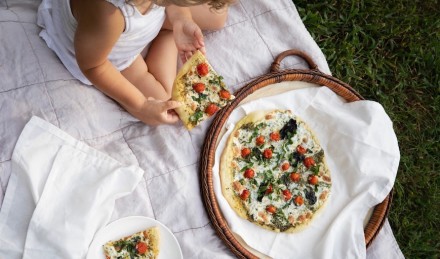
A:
[389,51]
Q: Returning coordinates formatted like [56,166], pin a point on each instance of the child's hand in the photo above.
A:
[155,112]
[188,37]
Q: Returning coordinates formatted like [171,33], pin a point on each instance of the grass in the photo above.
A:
[389,51]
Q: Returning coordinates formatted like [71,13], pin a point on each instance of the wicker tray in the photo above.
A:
[314,76]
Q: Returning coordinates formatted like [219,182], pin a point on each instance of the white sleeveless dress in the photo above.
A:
[59,26]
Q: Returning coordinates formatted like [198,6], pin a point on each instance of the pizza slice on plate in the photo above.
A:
[201,91]
[143,245]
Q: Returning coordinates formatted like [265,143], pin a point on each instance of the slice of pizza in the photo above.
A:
[201,91]
[143,245]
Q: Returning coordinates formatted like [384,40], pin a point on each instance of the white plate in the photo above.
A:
[169,247]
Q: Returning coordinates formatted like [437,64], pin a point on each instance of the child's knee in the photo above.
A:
[219,22]
[208,18]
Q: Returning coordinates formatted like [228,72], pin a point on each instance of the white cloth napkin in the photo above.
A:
[61,191]
[363,156]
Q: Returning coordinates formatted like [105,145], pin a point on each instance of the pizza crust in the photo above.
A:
[153,235]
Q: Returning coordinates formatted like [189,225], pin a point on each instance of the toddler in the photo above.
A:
[101,43]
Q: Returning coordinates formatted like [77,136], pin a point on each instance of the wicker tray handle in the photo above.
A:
[275,67]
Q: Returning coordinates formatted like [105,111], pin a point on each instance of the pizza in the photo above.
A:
[273,171]
[201,91]
[142,245]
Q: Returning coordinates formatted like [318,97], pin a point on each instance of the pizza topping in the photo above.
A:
[301,150]
[313,179]
[297,157]
[295,177]
[275,136]
[269,189]
[323,195]
[264,189]
[256,153]
[249,173]
[225,94]
[289,129]
[267,153]
[285,166]
[271,209]
[199,87]
[260,140]
[196,117]
[245,194]
[211,109]
[299,200]
[301,218]
[245,152]
[141,247]
[291,219]
[287,195]
[309,162]
[310,196]
[238,187]
[202,69]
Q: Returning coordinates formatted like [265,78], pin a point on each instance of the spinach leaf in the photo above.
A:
[200,97]
[195,118]
[280,221]
[289,129]
[262,191]
[257,154]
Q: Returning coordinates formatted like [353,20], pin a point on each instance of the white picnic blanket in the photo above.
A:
[34,82]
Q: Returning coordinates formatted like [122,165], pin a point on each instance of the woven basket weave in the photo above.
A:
[314,76]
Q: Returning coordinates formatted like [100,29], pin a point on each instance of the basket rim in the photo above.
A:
[220,225]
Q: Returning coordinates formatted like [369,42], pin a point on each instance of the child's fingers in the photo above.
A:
[203,50]
[185,55]
[172,118]
[199,37]
[169,105]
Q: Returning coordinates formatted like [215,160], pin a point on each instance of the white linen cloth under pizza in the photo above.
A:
[362,154]
[60,192]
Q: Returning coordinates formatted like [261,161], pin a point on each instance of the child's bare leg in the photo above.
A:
[161,59]
[208,19]
[139,75]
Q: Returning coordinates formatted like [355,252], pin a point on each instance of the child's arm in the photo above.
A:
[187,34]
[99,26]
